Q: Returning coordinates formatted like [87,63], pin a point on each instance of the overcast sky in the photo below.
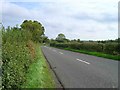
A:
[83,19]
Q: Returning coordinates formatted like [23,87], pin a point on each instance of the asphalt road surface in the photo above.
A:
[76,70]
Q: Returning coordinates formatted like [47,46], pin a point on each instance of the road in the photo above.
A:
[76,70]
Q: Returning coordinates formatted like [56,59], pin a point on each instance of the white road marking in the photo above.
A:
[60,52]
[83,61]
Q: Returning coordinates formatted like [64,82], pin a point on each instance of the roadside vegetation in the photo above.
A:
[38,75]
[23,63]
[107,49]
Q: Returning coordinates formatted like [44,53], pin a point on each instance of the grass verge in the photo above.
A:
[114,57]
[108,56]
[39,75]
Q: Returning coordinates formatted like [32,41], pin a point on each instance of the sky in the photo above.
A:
[77,19]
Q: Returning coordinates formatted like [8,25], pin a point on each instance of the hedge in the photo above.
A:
[108,48]
[17,55]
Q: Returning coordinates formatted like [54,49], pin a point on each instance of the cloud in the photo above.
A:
[105,17]
[92,19]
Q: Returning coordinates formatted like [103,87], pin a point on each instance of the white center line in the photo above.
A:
[83,61]
[60,52]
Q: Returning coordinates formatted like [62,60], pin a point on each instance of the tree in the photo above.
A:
[60,37]
[34,27]
[78,40]
[53,41]
[74,40]
[44,39]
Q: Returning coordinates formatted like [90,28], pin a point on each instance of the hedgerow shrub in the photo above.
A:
[13,36]
[17,55]
[16,60]
[60,45]
[108,48]
[87,46]
[111,48]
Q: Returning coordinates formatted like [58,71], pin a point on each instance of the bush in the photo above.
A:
[16,59]
[13,36]
[111,48]
[108,48]
[17,55]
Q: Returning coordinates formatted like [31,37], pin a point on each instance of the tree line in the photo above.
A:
[61,38]
[111,47]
